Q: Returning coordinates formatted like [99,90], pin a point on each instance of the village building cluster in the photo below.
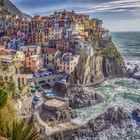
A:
[51,42]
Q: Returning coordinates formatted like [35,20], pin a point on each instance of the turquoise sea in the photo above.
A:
[128,43]
[123,92]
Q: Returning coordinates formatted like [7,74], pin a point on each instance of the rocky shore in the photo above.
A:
[116,117]
[56,112]
[79,97]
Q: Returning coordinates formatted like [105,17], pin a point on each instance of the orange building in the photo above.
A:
[34,63]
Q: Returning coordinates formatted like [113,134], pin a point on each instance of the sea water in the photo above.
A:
[128,43]
[123,92]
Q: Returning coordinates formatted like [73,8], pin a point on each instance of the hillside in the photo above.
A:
[7,8]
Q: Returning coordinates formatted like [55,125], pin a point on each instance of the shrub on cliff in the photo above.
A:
[3,98]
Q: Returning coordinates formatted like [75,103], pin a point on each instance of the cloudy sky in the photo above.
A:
[118,15]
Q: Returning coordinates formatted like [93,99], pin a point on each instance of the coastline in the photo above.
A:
[101,81]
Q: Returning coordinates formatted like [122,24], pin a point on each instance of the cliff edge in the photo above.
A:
[105,62]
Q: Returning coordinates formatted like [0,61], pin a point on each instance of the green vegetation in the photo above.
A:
[11,89]
[3,98]
[108,51]
[19,130]
[9,126]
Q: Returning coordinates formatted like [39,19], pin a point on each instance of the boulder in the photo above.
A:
[54,117]
[79,97]
[114,116]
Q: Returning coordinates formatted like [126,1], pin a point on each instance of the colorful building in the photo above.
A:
[34,63]
[8,71]
[55,33]
[31,50]
[67,62]
[51,57]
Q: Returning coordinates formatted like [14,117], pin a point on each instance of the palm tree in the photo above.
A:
[19,130]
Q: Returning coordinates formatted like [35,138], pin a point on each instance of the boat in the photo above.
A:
[136,75]
[135,115]
[37,86]
[33,90]
[49,92]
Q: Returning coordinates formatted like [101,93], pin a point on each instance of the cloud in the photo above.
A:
[89,5]
[108,10]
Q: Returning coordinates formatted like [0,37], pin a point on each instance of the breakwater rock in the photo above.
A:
[116,117]
[79,97]
[55,112]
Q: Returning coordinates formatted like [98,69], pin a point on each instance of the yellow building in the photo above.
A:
[81,28]
[87,24]
[19,56]
[19,61]
[41,36]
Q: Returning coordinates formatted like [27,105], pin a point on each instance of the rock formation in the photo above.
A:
[57,114]
[106,62]
[79,97]
[116,117]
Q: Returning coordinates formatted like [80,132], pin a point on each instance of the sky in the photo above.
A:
[117,15]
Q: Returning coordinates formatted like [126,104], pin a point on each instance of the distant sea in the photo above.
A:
[128,43]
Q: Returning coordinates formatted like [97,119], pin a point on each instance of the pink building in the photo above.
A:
[67,62]
[34,63]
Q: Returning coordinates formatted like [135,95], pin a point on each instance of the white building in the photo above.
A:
[31,50]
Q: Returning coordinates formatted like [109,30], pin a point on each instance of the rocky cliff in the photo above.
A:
[56,116]
[105,62]
[7,8]
[79,97]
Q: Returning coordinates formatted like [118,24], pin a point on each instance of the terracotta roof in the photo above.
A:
[51,50]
